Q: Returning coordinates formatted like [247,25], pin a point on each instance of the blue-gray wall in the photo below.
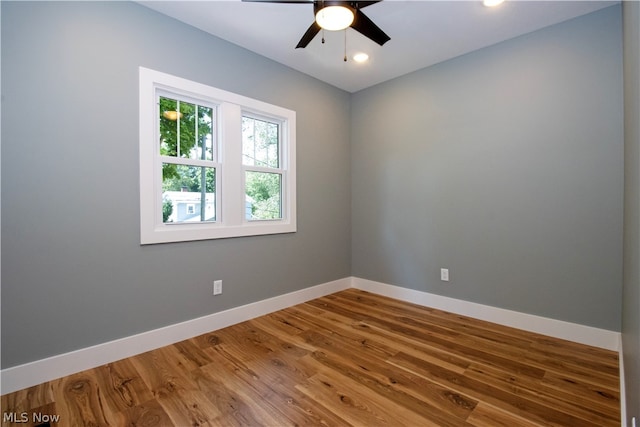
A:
[631,288]
[73,271]
[504,165]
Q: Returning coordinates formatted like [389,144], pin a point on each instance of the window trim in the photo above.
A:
[230,107]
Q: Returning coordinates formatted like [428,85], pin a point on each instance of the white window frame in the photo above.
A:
[230,191]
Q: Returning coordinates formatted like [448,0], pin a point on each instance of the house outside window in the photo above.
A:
[213,164]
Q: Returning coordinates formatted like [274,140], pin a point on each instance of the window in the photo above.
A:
[213,164]
[188,154]
[262,173]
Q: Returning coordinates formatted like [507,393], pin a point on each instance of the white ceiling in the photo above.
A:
[422,33]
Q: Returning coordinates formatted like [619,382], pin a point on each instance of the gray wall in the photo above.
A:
[73,271]
[505,166]
[631,287]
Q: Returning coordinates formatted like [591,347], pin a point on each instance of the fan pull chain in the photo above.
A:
[345,45]
[323,36]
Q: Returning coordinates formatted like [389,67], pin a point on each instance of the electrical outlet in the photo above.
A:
[217,287]
[444,274]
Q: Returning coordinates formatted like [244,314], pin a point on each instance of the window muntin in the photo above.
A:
[192,160]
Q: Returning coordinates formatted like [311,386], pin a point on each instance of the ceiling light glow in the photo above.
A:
[492,3]
[334,18]
[360,57]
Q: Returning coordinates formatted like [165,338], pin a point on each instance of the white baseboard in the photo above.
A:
[37,372]
[33,373]
[555,328]
[623,389]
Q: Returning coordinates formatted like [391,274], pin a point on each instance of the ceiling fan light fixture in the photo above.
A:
[334,18]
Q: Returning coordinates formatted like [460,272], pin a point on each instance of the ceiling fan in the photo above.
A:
[337,15]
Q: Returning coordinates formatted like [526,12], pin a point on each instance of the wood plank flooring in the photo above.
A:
[347,359]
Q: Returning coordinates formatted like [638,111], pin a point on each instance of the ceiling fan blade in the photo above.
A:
[309,35]
[367,28]
[361,4]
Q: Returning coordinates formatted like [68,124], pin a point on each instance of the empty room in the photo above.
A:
[236,213]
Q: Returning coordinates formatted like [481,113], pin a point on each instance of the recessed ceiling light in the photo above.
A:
[492,3]
[360,57]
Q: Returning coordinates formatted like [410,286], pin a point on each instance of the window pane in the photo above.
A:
[191,125]
[260,143]
[263,195]
[184,188]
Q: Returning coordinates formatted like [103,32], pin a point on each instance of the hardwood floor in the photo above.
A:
[351,358]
